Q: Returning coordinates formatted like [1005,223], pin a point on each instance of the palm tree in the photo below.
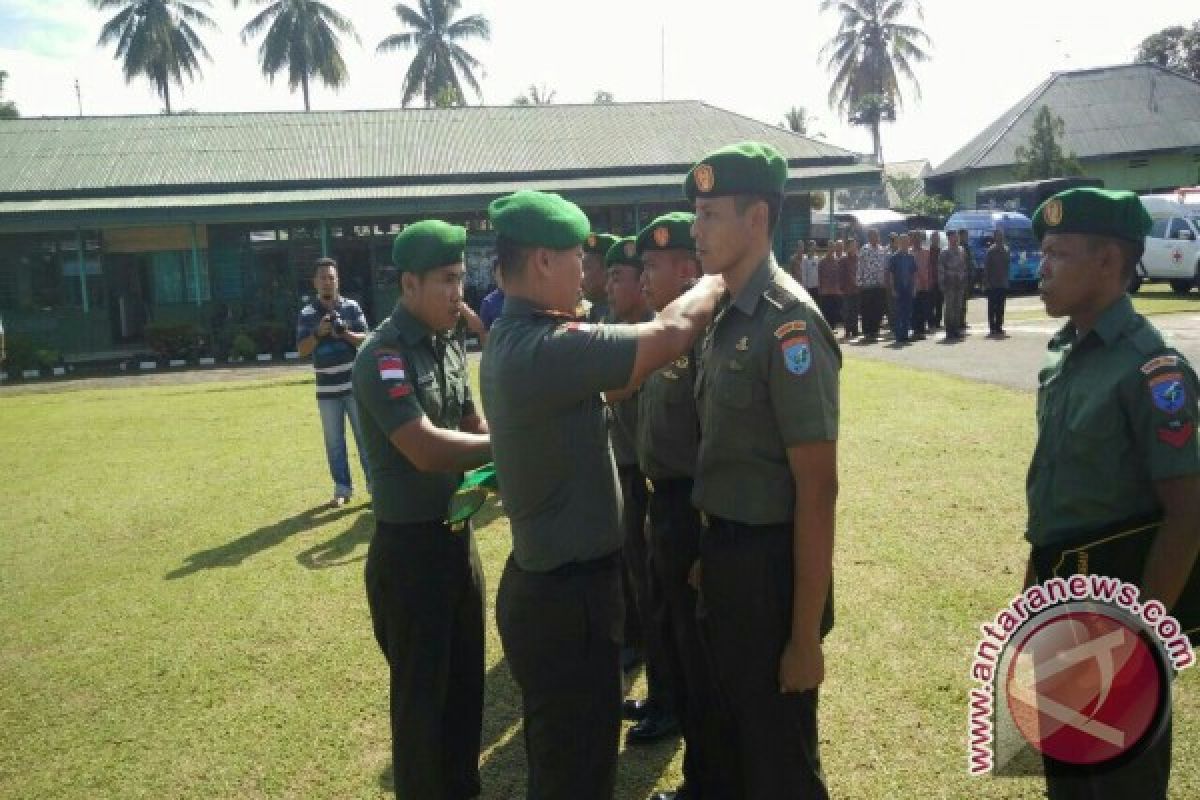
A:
[797,120]
[869,53]
[157,40]
[303,37]
[440,62]
[536,96]
[8,109]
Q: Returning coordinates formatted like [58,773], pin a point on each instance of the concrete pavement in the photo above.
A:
[1013,361]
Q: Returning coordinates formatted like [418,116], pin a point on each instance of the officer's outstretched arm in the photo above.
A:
[672,333]
[434,449]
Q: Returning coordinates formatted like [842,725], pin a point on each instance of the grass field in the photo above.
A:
[1152,298]
[181,619]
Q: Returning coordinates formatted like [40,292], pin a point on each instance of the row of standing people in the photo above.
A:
[915,283]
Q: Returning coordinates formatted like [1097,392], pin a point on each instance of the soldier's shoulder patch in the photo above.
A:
[795,326]
[1168,392]
[1159,362]
[1176,433]
[797,354]
[391,366]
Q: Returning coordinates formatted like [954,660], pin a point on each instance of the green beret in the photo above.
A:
[597,244]
[743,168]
[1099,212]
[669,232]
[427,245]
[539,219]
[624,252]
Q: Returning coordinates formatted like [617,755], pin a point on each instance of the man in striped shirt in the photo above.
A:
[331,328]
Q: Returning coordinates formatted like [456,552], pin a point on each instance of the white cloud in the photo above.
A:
[755,57]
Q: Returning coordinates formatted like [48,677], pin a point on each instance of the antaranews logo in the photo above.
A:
[1075,669]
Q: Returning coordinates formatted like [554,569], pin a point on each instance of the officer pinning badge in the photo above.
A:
[662,236]
[795,326]
[1053,212]
[743,344]
[1168,392]
[1176,433]
[797,355]
[705,180]
[1161,362]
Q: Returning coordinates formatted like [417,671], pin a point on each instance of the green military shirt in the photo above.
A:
[668,431]
[541,379]
[1116,411]
[623,425]
[404,371]
[768,380]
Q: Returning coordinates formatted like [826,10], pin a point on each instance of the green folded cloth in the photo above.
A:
[471,494]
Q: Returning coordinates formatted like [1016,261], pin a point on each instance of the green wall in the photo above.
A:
[1161,172]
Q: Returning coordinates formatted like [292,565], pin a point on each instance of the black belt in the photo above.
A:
[735,528]
[573,568]
[410,528]
[669,485]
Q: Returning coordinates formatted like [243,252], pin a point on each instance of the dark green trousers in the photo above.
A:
[562,638]
[425,591]
[746,616]
[675,528]
[1146,774]
[639,602]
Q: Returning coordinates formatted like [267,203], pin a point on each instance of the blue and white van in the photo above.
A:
[1026,255]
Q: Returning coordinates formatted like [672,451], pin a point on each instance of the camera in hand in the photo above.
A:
[336,323]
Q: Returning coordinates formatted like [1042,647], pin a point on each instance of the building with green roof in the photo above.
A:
[108,224]
[1133,126]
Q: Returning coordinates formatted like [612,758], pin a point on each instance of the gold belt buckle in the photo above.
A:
[649,486]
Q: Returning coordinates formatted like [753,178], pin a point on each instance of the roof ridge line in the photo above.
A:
[1033,97]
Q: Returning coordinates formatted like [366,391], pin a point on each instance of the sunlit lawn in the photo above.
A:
[181,619]
[1151,298]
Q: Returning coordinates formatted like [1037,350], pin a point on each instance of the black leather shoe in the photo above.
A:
[653,729]
[635,710]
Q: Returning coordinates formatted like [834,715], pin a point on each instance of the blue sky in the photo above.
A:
[755,57]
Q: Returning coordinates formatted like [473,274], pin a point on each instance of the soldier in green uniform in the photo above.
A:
[424,583]
[766,477]
[558,608]
[655,715]
[1114,484]
[668,437]
[595,275]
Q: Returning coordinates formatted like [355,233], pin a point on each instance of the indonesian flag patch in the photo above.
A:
[391,368]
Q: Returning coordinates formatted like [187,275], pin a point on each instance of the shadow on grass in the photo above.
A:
[234,553]
[503,769]
[338,551]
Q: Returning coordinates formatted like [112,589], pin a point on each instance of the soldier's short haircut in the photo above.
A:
[511,256]
[741,202]
[1131,253]
[321,263]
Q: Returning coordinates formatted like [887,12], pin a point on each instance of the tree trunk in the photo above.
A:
[166,93]
[877,141]
[304,88]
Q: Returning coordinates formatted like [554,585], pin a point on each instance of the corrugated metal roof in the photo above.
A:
[1132,108]
[60,212]
[202,152]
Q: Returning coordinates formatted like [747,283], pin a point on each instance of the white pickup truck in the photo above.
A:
[1173,244]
